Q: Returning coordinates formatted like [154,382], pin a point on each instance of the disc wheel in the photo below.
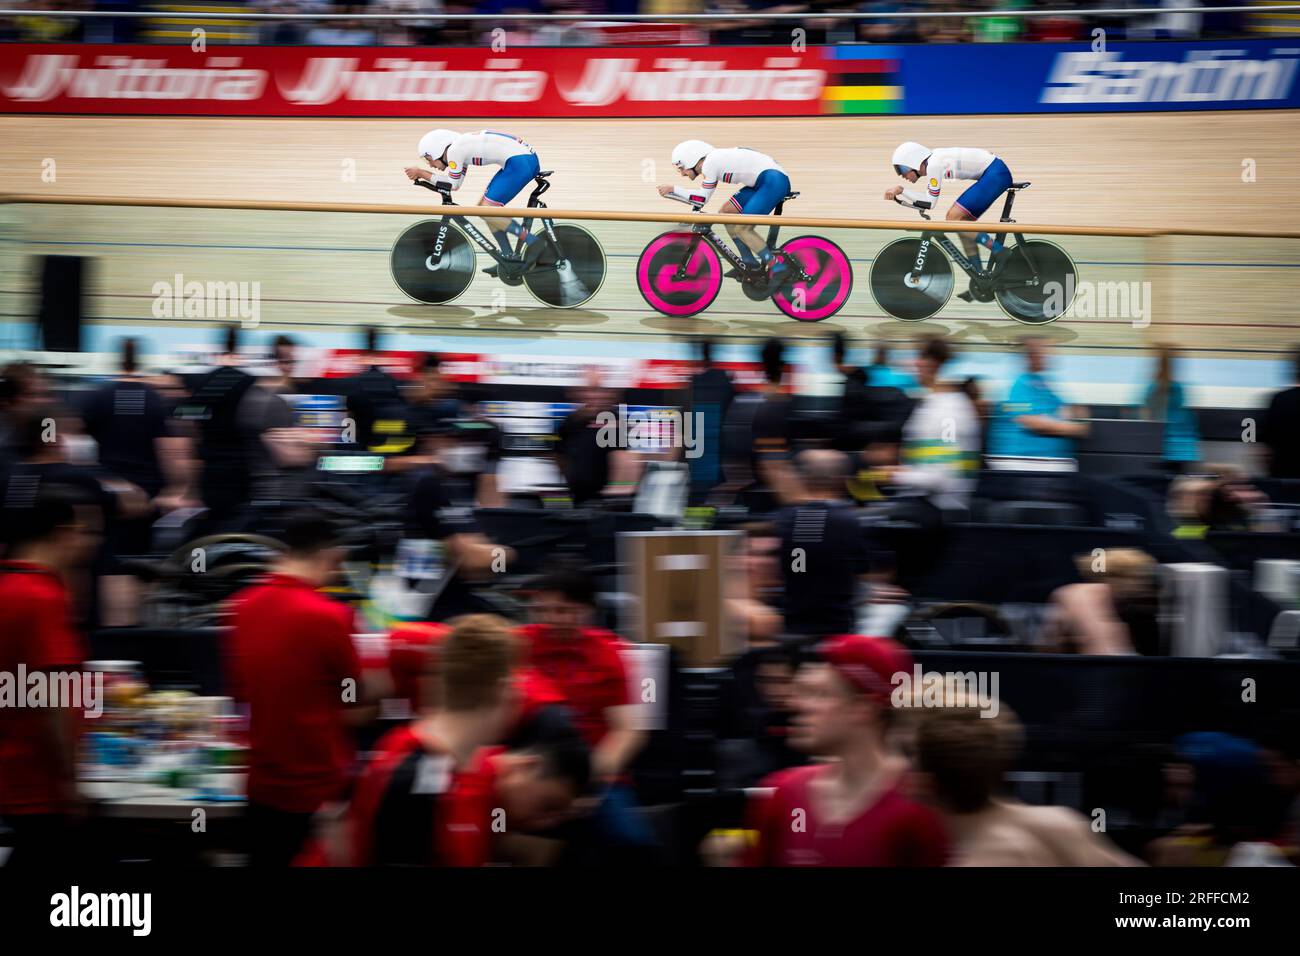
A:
[1037,283]
[415,271]
[889,286]
[829,284]
[578,279]
[657,274]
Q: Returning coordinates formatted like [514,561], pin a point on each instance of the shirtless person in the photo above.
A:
[962,756]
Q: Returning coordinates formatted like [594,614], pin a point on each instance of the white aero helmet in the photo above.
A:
[435,142]
[686,155]
[909,157]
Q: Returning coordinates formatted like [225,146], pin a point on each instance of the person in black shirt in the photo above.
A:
[466,553]
[1279,432]
[40,443]
[592,468]
[22,387]
[758,439]
[868,414]
[132,424]
[825,555]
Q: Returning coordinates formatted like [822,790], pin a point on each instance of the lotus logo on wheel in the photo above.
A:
[430,264]
[920,256]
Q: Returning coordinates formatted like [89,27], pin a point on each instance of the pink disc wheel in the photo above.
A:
[671,287]
[830,280]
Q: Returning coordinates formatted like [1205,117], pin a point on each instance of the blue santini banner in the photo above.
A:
[1058,77]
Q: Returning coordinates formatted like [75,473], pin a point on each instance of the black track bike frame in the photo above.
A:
[997,262]
[704,231]
[483,242]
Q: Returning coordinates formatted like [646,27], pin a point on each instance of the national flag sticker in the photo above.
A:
[934,186]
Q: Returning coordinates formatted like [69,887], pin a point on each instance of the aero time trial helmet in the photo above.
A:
[435,142]
[909,157]
[688,154]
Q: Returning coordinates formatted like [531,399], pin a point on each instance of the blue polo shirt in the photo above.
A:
[1030,395]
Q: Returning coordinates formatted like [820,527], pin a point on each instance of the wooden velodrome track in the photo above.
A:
[1212,296]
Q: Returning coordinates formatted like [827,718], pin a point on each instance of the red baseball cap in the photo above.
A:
[868,663]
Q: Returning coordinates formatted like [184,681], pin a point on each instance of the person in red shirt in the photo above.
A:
[51,532]
[585,665]
[850,811]
[413,668]
[438,789]
[292,660]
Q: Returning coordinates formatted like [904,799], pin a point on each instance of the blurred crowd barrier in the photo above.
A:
[603,23]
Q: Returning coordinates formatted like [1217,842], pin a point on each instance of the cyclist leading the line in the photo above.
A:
[991,176]
[450,154]
[765,184]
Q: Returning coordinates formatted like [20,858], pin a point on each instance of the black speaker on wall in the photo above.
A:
[63,279]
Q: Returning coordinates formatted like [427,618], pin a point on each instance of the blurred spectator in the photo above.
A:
[998,29]
[585,664]
[22,388]
[341,32]
[50,532]
[757,438]
[1114,611]
[284,378]
[1279,431]
[427,408]
[962,756]
[282,32]
[1225,500]
[443,544]
[753,591]
[853,809]
[943,29]
[291,659]
[709,393]
[871,413]
[132,424]
[1166,402]
[43,444]
[228,413]
[1034,422]
[474,454]
[900,30]
[824,555]
[941,439]
[883,373]
[758,744]
[34,28]
[592,466]
[379,412]
[401,815]
[1237,813]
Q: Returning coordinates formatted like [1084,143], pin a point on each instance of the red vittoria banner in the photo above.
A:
[423,82]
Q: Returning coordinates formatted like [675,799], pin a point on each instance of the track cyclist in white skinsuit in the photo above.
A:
[935,167]
[450,154]
[765,185]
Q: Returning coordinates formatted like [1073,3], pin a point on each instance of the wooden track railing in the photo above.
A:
[433,210]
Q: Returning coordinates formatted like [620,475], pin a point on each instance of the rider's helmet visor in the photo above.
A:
[902,170]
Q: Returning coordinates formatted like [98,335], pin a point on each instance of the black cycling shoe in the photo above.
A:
[510,278]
